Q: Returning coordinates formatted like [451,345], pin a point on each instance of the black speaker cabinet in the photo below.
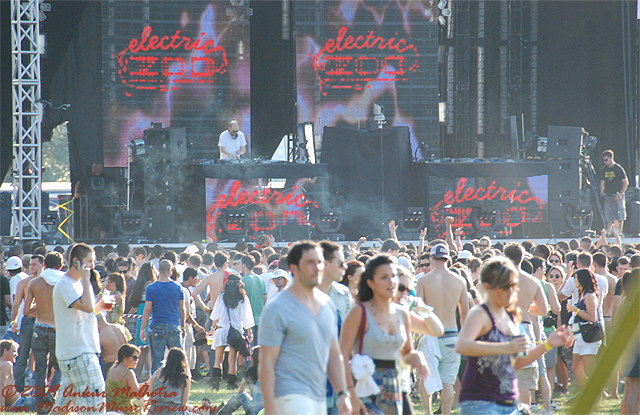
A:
[564,142]
[529,230]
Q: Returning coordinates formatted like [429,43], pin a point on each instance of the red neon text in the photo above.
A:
[148,71]
[350,71]
[524,206]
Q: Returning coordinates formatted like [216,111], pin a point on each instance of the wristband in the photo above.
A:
[422,237]
[95,312]
[547,345]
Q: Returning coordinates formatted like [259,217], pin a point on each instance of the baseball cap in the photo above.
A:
[273,264]
[281,273]
[440,251]
[464,254]
[13,263]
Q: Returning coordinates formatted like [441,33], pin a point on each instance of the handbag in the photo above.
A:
[592,332]
[550,320]
[238,341]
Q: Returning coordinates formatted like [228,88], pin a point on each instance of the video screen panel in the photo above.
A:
[182,64]
[352,54]
[495,204]
[256,206]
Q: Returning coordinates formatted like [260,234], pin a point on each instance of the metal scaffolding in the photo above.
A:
[27,151]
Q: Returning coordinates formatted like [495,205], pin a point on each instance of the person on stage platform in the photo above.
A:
[613,185]
[232,143]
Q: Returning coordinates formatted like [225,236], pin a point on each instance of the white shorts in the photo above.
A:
[296,404]
[582,348]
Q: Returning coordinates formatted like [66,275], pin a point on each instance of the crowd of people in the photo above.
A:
[488,327]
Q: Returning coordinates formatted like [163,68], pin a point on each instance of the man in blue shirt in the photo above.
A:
[165,304]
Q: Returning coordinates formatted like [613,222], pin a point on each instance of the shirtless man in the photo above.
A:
[600,268]
[23,321]
[214,281]
[8,354]
[529,290]
[112,336]
[444,291]
[39,304]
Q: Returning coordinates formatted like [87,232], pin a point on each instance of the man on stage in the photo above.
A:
[613,185]
[232,142]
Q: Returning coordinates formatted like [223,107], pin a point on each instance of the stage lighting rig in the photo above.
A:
[234,222]
[484,219]
[329,220]
[413,220]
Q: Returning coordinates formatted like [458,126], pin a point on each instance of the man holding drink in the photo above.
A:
[77,338]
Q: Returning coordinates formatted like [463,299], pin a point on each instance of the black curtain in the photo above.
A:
[6,135]
[273,71]
[368,181]
[77,80]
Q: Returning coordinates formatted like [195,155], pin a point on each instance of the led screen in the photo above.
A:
[352,54]
[255,206]
[494,203]
[182,64]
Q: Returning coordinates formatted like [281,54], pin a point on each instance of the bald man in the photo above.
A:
[232,142]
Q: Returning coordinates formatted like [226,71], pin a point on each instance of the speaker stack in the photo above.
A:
[164,173]
[569,203]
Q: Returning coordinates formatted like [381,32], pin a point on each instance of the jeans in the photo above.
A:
[20,369]
[239,399]
[487,408]
[43,346]
[163,335]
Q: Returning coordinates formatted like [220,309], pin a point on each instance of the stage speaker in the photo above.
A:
[5,213]
[632,224]
[292,233]
[528,230]
[565,179]
[166,144]
[161,223]
[564,142]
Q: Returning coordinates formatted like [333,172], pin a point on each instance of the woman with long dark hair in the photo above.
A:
[556,276]
[352,275]
[386,336]
[232,308]
[116,285]
[122,377]
[175,377]
[586,311]
[491,340]
[147,274]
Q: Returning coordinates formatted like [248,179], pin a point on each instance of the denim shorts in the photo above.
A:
[487,408]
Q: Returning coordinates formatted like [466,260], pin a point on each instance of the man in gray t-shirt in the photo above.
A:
[299,344]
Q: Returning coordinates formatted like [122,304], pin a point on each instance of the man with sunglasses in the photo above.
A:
[423,267]
[613,185]
[445,291]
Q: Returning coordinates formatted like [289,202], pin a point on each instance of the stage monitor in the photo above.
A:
[487,205]
[181,64]
[257,206]
[353,55]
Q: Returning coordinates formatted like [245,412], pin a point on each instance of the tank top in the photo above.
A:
[121,402]
[489,378]
[377,343]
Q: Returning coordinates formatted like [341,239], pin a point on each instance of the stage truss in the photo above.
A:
[27,151]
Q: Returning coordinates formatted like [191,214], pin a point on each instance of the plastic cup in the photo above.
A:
[109,301]
[209,339]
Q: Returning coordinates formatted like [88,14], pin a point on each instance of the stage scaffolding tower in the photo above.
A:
[27,108]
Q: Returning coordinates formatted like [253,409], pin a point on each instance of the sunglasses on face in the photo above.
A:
[402,288]
[135,357]
[123,271]
[484,245]
[555,276]
[278,278]
[554,261]
[425,264]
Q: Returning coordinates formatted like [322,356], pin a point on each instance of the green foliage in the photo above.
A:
[55,157]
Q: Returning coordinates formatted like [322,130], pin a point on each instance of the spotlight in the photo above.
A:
[579,217]
[130,222]
[329,220]
[233,222]
[484,219]
[413,220]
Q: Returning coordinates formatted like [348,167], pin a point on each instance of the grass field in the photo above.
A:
[202,390]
